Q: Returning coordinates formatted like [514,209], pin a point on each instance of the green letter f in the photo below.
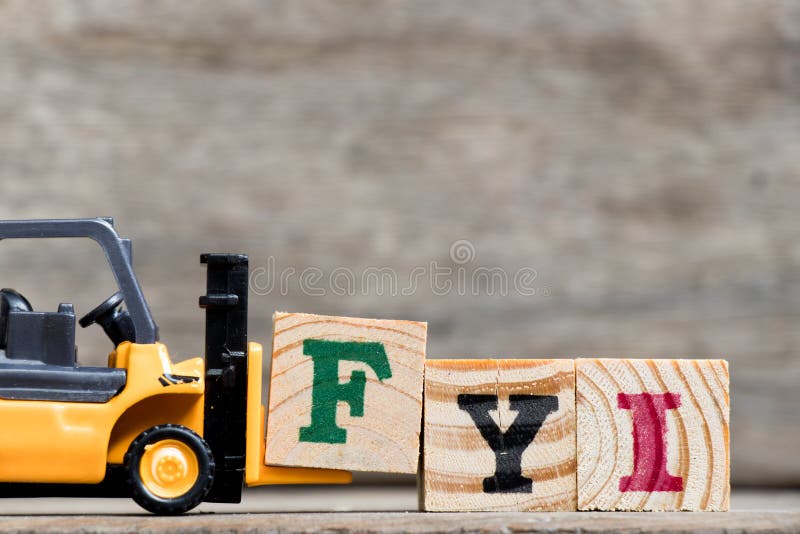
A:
[327,391]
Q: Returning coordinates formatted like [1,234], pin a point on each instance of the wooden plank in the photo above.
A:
[653,434]
[346,393]
[748,522]
[359,497]
[499,435]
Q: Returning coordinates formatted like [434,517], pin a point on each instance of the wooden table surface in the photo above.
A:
[383,509]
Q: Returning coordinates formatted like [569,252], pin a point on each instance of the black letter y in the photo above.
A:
[509,446]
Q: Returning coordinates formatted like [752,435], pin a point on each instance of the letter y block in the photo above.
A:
[499,435]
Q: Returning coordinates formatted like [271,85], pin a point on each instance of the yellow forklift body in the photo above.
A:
[72,442]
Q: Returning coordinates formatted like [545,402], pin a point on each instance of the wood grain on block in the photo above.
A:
[499,435]
[653,434]
[346,393]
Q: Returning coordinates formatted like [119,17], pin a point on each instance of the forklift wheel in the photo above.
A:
[170,469]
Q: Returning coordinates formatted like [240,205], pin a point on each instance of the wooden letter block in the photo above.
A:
[499,435]
[653,435]
[346,393]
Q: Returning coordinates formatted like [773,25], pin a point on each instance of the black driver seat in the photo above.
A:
[37,356]
[48,337]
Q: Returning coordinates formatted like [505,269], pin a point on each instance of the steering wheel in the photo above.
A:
[105,309]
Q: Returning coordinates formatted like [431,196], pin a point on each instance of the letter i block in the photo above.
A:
[345,393]
[653,435]
[499,435]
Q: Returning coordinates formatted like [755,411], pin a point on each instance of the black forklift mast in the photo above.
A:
[225,303]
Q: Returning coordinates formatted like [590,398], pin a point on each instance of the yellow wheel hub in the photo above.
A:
[169,468]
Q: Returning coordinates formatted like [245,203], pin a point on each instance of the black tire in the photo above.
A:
[161,505]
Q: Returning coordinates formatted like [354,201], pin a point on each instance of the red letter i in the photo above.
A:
[649,441]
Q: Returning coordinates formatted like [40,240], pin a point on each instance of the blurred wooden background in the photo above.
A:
[641,156]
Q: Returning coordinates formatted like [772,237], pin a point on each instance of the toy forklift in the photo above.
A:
[169,435]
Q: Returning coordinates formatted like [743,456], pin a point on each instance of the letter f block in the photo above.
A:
[345,393]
